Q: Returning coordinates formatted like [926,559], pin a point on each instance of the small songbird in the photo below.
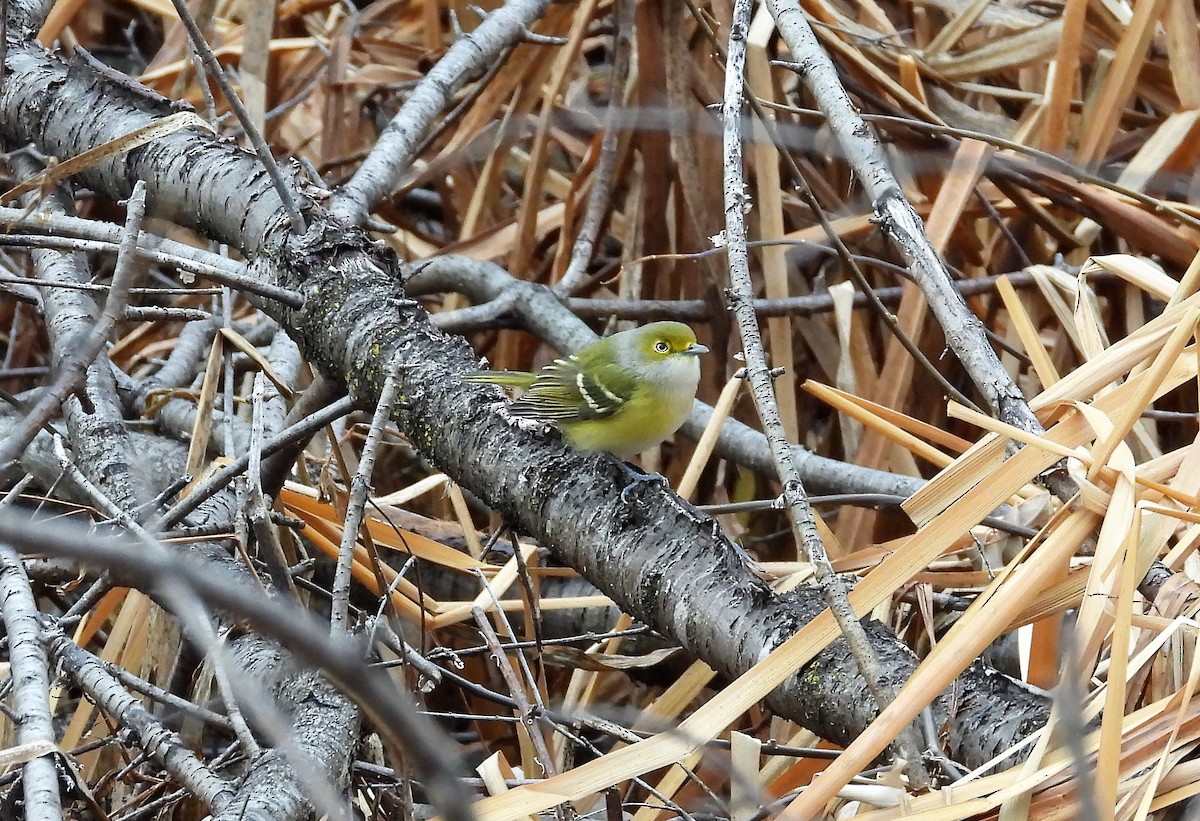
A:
[623,394]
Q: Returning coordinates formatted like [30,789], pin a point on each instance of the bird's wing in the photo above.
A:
[562,392]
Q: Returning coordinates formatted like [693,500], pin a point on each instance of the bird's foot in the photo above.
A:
[637,478]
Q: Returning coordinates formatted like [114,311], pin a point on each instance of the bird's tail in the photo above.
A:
[511,379]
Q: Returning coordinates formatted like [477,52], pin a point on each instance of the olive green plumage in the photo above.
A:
[623,394]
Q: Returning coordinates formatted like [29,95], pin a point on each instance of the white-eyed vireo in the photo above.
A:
[623,394]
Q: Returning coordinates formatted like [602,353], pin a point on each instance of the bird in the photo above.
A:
[623,394]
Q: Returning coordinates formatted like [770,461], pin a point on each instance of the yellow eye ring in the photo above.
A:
[661,347]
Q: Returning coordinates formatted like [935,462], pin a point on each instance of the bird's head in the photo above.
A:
[666,352]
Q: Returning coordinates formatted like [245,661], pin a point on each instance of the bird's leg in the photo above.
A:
[638,477]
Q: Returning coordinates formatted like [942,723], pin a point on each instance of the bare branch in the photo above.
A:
[31,687]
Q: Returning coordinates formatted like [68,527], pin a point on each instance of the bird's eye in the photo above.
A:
[661,347]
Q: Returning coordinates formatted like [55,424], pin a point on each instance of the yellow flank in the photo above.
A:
[644,420]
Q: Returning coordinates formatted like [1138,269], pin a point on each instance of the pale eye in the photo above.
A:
[661,347]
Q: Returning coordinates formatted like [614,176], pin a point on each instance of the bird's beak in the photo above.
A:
[695,349]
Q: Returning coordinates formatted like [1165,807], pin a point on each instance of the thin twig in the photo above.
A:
[31,688]
[809,305]
[963,330]
[218,480]
[598,198]
[286,193]
[396,147]
[258,509]
[528,714]
[201,628]
[759,375]
[804,189]
[72,371]
[160,743]
[360,489]
[155,248]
